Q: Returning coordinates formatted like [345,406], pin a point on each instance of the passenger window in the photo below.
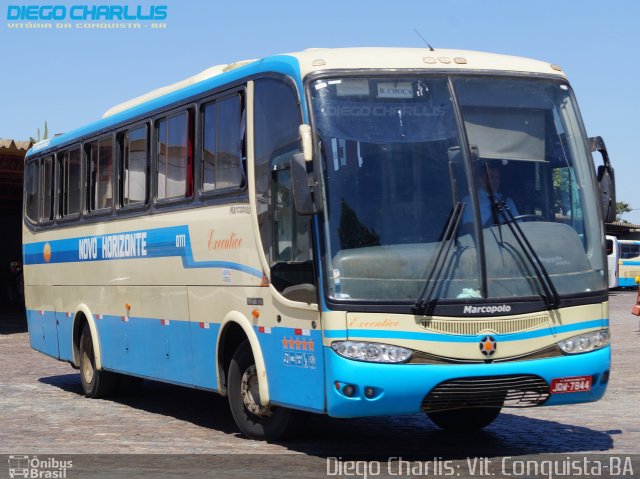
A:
[133,170]
[69,183]
[175,177]
[46,187]
[31,191]
[99,174]
[223,138]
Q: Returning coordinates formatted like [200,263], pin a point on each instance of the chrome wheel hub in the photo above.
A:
[251,394]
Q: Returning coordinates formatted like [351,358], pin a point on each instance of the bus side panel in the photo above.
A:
[204,336]
[163,334]
[64,323]
[295,366]
[41,320]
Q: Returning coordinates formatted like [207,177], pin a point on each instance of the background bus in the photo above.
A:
[629,262]
[355,232]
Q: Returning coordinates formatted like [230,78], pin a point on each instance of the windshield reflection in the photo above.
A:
[394,171]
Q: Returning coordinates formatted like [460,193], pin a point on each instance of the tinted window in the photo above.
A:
[31,191]
[100,174]
[46,213]
[133,175]
[69,182]
[223,132]
[174,157]
[286,237]
[629,250]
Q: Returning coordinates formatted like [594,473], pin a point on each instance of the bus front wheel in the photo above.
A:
[253,419]
[467,419]
[95,383]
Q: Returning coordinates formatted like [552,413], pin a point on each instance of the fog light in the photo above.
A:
[348,390]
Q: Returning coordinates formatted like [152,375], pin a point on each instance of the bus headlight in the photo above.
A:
[585,342]
[371,352]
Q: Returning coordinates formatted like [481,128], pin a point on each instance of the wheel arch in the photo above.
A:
[233,330]
[83,316]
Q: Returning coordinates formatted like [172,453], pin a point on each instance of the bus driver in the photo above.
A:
[489,216]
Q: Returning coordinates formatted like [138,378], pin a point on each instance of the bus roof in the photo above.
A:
[298,65]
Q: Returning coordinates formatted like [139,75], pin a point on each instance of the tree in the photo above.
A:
[622,208]
[46,132]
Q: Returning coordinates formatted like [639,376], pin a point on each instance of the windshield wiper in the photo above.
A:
[550,296]
[449,234]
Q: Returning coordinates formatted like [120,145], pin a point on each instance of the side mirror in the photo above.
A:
[303,183]
[300,186]
[606,180]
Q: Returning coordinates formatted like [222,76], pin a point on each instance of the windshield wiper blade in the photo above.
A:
[550,297]
[449,234]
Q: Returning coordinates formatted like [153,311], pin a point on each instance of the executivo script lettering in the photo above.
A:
[503,308]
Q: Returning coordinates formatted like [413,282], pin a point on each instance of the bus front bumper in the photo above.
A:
[394,389]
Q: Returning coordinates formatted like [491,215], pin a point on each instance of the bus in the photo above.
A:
[353,232]
[628,263]
[613,255]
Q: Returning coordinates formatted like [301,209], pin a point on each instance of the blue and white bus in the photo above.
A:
[351,232]
[628,263]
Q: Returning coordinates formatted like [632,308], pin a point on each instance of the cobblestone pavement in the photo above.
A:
[42,411]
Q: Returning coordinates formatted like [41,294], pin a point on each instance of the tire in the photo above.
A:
[95,383]
[462,420]
[253,420]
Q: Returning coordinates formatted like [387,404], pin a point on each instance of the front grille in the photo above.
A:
[488,391]
[473,327]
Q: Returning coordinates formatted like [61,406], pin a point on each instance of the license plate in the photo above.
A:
[575,384]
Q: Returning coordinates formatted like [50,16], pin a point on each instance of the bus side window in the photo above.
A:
[134,167]
[99,174]
[46,188]
[175,156]
[223,139]
[286,236]
[31,190]
[69,183]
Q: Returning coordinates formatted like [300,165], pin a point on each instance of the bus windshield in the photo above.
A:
[465,187]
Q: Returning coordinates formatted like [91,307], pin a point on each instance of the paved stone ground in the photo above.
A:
[42,411]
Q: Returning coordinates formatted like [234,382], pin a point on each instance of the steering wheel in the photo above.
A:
[528,217]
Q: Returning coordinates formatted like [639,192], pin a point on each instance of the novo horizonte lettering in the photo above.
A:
[503,308]
[87,12]
[127,245]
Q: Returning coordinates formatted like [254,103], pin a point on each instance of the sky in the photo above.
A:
[69,77]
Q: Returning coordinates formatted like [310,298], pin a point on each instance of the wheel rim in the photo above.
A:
[251,393]
[87,362]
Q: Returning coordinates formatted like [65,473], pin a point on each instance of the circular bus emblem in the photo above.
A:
[488,345]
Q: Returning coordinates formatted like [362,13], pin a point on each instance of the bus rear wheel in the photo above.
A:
[253,419]
[466,419]
[95,383]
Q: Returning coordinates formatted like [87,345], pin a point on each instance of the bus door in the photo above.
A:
[613,255]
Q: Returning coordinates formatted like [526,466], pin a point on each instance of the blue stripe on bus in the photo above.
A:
[630,263]
[443,338]
[159,243]
[627,282]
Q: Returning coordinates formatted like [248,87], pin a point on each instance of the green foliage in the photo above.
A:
[622,208]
